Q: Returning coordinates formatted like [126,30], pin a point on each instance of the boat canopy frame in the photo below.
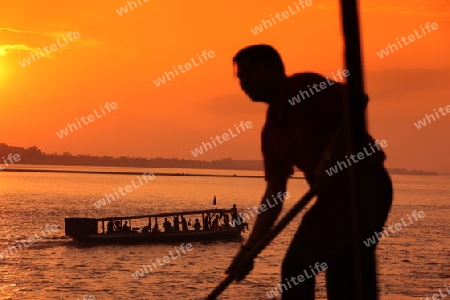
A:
[179,213]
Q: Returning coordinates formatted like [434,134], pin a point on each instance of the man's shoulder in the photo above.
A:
[303,79]
[306,77]
[314,91]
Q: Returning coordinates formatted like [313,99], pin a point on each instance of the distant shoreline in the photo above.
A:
[134,173]
[391,171]
[33,156]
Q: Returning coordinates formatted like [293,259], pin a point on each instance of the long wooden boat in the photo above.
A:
[120,230]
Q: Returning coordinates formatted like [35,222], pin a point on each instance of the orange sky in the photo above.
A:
[117,58]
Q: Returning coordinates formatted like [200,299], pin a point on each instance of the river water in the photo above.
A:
[413,262]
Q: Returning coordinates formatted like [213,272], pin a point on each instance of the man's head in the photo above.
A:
[260,71]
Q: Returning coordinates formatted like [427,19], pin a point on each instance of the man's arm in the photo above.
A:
[277,170]
[266,219]
[264,222]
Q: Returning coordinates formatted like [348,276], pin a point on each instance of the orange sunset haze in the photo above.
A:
[162,149]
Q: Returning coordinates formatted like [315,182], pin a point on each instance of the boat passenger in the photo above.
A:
[197,225]
[184,224]
[243,222]
[176,223]
[146,228]
[156,228]
[126,227]
[167,225]
[234,213]
[117,225]
[205,223]
[210,221]
[226,220]
[215,223]
[189,223]
[110,226]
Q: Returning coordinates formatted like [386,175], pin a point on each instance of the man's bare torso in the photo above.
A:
[299,134]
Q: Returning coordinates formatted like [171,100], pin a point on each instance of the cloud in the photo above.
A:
[4,49]
[17,30]
[47,38]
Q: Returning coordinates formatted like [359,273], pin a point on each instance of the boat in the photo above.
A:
[114,230]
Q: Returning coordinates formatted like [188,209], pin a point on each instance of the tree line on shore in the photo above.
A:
[34,156]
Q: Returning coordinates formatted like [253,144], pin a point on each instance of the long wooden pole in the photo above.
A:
[355,121]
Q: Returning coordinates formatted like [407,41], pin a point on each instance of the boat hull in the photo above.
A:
[91,230]
[163,237]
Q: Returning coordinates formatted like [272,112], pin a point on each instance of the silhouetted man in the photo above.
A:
[167,225]
[125,226]
[176,223]
[296,133]
[184,224]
